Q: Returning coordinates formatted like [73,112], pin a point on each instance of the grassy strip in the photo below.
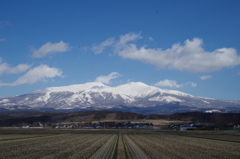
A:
[125,149]
[209,138]
[25,137]
[116,149]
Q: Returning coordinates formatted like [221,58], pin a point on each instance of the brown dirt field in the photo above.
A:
[58,146]
[152,144]
[174,146]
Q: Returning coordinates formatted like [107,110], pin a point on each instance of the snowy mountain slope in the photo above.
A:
[95,95]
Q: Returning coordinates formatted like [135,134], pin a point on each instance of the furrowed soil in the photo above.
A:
[117,144]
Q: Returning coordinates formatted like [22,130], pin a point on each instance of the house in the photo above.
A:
[237,127]
[156,127]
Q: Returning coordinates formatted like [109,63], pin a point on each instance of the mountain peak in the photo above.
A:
[96,95]
[137,89]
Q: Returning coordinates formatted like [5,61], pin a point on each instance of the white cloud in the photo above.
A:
[123,39]
[39,73]
[173,83]
[108,78]
[19,68]
[168,83]
[205,77]
[99,48]
[2,39]
[5,68]
[50,48]
[150,38]
[189,57]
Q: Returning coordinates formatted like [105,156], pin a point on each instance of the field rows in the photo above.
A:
[151,145]
[171,146]
[60,146]
[107,150]
[133,151]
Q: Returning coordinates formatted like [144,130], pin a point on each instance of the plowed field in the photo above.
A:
[119,144]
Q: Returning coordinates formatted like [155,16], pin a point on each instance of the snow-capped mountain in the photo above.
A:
[133,96]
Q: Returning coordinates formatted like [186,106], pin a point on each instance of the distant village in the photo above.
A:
[100,125]
[129,125]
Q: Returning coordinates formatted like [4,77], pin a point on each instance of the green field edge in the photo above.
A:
[209,138]
[21,138]
[116,149]
[125,149]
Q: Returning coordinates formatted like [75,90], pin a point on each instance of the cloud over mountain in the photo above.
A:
[173,83]
[107,79]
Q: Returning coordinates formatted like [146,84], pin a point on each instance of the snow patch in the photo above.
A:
[213,111]
[165,98]
[206,102]
[4,101]
[44,98]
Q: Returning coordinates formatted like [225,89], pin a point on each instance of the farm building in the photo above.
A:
[186,128]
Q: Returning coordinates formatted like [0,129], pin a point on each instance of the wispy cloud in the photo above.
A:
[2,39]
[124,39]
[173,83]
[99,48]
[6,69]
[107,79]
[39,73]
[83,49]
[190,56]
[205,77]
[50,48]
[121,42]
[5,23]
[192,84]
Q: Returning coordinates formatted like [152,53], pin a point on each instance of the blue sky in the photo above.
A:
[190,46]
